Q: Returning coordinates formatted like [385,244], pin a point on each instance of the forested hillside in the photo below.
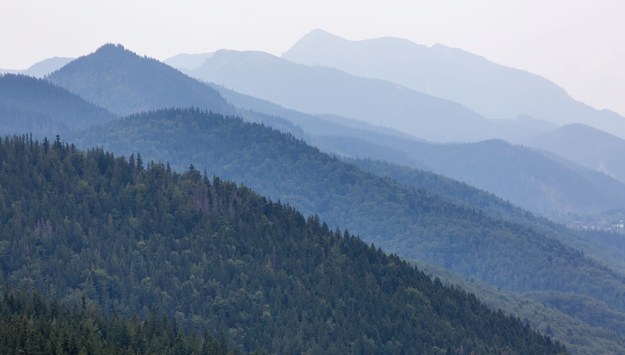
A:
[133,237]
[415,224]
[576,334]
[32,325]
[604,247]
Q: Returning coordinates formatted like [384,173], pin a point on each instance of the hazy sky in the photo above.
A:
[578,44]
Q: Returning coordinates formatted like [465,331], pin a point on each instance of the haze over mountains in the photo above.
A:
[560,190]
[525,178]
[320,90]
[417,214]
[493,90]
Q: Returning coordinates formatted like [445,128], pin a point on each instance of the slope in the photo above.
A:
[606,248]
[123,83]
[29,105]
[214,255]
[544,184]
[323,90]
[493,90]
[415,224]
[378,142]
[525,177]
[578,336]
[586,146]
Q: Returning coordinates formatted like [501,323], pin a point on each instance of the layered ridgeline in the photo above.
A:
[542,183]
[415,224]
[29,105]
[328,91]
[491,89]
[113,72]
[213,255]
[343,208]
[32,325]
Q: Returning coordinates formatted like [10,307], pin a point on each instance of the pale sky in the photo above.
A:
[580,45]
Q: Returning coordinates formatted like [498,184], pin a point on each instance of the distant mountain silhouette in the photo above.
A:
[491,89]
[42,68]
[30,105]
[47,66]
[329,91]
[124,83]
[187,61]
[586,146]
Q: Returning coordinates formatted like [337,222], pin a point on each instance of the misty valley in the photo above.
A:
[370,197]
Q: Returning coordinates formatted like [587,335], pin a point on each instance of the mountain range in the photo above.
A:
[320,90]
[527,178]
[431,218]
[491,89]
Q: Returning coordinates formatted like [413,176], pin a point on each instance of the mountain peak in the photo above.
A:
[123,82]
[111,47]
[320,33]
[316,38]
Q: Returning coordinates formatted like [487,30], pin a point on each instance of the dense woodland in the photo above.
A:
[605,247]
[132,238]
[413,223]
[32,325]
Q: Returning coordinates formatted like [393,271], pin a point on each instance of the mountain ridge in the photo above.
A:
[134,83]
[493,90]
[331,91]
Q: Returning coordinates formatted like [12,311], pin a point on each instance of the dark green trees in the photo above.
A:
[213,255]
[31,325]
